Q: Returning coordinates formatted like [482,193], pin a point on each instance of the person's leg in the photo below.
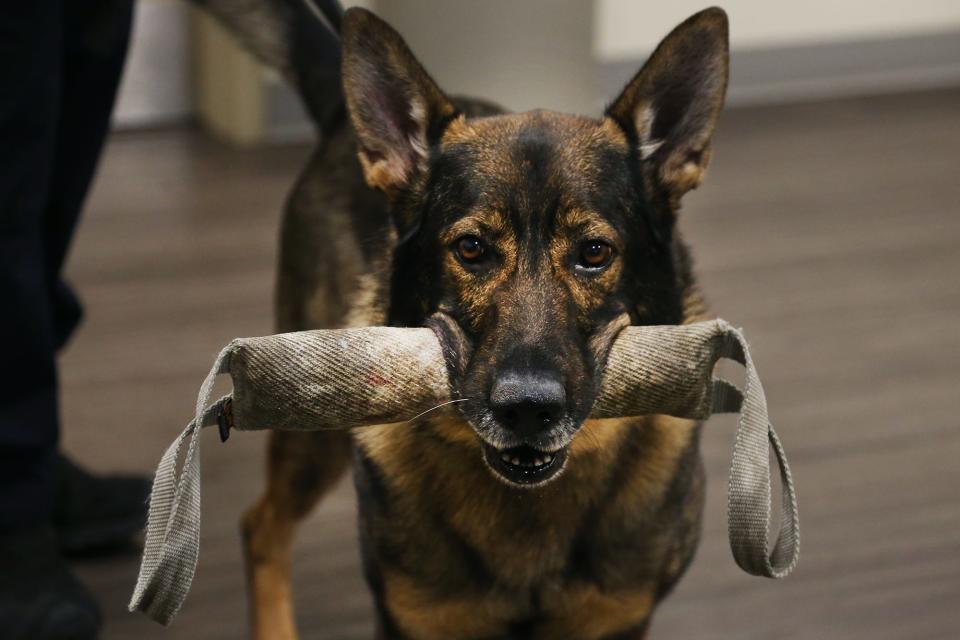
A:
[39,598]
[58,72]
[30,98]
[88,512]
[95,44]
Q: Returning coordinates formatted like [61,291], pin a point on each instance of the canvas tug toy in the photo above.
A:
[338,379]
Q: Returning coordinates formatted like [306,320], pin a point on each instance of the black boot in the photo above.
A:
[39,597]
[97,513]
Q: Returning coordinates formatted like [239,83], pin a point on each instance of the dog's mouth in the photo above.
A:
[524,466]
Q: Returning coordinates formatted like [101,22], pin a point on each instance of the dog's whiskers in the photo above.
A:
[419,415]
[442,404]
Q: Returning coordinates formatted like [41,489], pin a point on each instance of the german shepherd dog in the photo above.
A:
[527,241]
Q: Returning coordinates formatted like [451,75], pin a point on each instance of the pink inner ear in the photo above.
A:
[395,112]
[393,133]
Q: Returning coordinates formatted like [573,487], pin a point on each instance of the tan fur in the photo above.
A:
[608,613]
[421,614]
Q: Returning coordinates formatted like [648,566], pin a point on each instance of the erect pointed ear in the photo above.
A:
[396,108]
[671,106]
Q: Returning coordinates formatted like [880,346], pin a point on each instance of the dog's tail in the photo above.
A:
[298,38]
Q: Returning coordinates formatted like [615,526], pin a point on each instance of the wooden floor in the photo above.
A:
[830,231]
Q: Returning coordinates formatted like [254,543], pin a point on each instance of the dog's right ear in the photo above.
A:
[396,109]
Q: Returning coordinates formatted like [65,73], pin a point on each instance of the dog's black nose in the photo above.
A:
[527,402]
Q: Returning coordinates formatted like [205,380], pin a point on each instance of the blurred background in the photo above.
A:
[828,227]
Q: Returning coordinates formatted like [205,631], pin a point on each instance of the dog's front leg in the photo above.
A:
[301,467]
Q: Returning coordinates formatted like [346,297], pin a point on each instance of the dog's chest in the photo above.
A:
[443,532]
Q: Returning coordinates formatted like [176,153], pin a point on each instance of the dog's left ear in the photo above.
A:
[671,106]
[396,108]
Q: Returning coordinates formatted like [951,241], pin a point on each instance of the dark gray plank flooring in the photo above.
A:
[830,231]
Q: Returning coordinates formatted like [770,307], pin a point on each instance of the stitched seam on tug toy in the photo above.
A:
[344,378]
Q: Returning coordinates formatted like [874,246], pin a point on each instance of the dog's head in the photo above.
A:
[535,236]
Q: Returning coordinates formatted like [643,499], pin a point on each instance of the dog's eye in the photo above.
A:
[595,254]
[470,248]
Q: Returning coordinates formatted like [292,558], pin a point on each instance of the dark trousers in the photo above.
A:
[60,63]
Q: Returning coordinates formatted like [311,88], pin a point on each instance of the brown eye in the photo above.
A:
[470,248]
[595,254]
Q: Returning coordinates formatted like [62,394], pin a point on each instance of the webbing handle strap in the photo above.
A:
[749,509]
[173,521]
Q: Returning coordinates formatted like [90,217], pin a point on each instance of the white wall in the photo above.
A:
[627,29]
[521,53]
[156,83]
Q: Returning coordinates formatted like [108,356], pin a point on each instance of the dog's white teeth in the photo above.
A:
[529,463]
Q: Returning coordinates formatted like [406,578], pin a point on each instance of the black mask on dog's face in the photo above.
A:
[537,235]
